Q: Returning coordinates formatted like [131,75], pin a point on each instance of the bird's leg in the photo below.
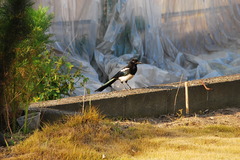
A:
[124,85]
[128,85]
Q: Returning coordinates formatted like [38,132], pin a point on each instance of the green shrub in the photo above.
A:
[35,73]
[49,76]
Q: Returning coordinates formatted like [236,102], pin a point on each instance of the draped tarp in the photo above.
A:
[175,39]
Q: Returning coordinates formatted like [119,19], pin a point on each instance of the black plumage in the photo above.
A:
[123,75]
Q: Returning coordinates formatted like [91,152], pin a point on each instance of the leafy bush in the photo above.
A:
[55,77]
[35,73]
[47,75]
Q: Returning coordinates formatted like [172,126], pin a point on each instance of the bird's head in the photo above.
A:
[134,61]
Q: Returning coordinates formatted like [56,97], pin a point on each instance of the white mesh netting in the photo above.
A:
[175,39]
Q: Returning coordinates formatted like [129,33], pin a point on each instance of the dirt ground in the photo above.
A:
[228,116]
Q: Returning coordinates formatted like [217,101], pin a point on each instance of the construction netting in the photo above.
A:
[176,40]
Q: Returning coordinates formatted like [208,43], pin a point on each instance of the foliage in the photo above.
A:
[48,76]
[14,25]
[35,73]
[55,78]
[14,28]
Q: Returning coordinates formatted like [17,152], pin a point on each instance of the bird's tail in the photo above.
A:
[107,84]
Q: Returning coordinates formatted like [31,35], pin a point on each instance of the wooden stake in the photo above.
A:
[186,98]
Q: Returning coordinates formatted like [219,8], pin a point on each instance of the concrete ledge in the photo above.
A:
[153,101]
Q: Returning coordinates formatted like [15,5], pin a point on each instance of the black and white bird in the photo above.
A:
[123,75]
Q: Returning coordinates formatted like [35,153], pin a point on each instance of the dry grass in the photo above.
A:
[92,137]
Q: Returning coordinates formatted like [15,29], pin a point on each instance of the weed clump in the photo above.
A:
[92,136]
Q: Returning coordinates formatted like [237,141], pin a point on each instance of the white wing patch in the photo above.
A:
[125,78]
[124,69]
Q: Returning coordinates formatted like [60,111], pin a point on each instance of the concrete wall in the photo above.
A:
[151,102]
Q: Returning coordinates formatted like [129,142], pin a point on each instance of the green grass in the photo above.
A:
[92,137]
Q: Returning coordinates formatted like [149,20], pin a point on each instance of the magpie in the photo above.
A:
[123,75]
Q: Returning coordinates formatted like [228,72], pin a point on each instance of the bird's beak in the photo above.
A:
[139,62]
